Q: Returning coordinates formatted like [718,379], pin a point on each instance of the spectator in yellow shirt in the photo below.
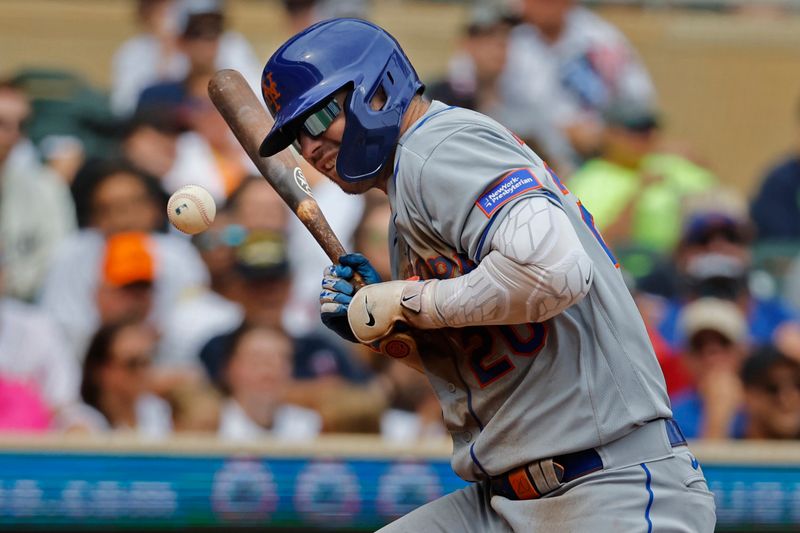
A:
[634,192]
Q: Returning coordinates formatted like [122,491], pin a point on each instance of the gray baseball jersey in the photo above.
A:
[517,393]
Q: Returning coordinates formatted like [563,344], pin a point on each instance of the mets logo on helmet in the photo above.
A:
[270,90]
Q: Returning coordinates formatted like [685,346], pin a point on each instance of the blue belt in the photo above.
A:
[518,484]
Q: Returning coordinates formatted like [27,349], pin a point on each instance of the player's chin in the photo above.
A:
[349,187]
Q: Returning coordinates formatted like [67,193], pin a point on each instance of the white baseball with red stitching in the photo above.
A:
[191,209]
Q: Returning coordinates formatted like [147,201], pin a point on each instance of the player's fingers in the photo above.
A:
[337,285]
[334,297]
[361,265]
[331,309]
[344,272]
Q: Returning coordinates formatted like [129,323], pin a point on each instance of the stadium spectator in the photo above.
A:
[635,193]
[256,375]
[253,211]
[150,143]
[71,119]
[327,378]
[256,206]
[716,336]
[116,381]
[207,155]
[157,55]
[200,315]
[474,70]
[565,67]
[125,291]
[147,58]
[113,197]
[39,376]
[776,206]
[262,288]
[30,230]
[714,258]
[115,200]
[771,395]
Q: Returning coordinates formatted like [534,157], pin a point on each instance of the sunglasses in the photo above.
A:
[232,236]
[319,121]
[135,364]
[703,238]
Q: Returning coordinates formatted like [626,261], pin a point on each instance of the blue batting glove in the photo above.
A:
[338,291]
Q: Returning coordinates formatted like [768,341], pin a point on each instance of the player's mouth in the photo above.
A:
[328,162]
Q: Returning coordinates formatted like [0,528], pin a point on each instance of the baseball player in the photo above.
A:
[548,383]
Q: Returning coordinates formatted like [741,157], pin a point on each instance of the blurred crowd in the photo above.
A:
[110,320]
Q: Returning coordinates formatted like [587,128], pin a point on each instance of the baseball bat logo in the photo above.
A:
[301,182]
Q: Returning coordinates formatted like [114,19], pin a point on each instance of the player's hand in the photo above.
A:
[375,310]
[338,290]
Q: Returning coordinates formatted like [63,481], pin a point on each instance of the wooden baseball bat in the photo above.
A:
[250,123]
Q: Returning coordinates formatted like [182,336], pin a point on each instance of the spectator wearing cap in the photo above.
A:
[116,382]
[126,286]
[776,206]
[261,288]
[713,258]
[116,199]
[716,346]
[156,55]
[39,376]
[30,230]
[326,377]
[474,71]
[771,395]
[256,375]
[565,67]
[634,192]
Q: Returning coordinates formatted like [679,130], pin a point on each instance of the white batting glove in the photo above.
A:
[375,309]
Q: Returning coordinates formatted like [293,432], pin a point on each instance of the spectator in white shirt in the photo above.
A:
[35,357]
[155,56]
[118,200]
[256,377]
[116,381]
[565,66]
[30,230]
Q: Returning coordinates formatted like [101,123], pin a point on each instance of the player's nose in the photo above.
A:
[309,147]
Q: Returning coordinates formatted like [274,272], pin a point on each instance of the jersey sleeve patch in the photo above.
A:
[505,189]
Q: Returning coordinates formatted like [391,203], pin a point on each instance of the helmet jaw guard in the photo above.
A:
[322,60]
[370,135]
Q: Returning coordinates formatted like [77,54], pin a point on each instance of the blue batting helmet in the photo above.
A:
[315,64]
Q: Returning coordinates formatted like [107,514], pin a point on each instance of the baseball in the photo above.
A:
[191,209]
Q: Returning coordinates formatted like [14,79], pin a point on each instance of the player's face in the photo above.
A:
[322,150]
